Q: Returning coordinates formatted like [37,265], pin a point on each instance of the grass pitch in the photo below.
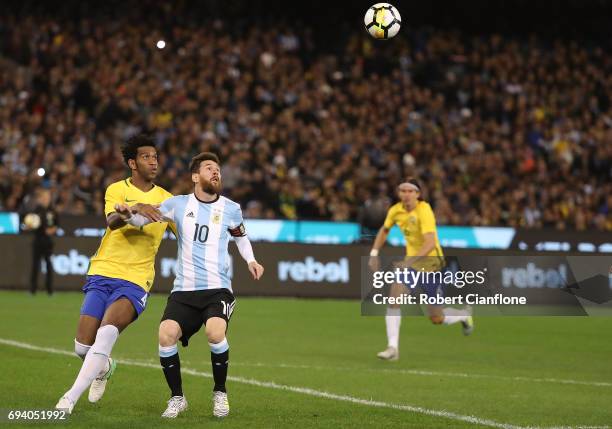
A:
[311,363]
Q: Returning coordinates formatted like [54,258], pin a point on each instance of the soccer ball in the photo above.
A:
[31,221]
[382,21]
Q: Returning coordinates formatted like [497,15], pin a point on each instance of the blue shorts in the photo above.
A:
[431,284]
[101,292]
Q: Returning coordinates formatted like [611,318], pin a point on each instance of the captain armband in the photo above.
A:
[239,231]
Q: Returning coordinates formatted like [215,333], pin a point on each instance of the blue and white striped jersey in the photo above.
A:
[204,231]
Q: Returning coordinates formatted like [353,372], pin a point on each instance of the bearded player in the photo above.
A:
[121,272]
[416,220]
[202,293]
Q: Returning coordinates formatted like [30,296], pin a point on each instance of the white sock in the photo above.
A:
[81,349]
[105,368]
[393,320]
[454,315]
[95,361]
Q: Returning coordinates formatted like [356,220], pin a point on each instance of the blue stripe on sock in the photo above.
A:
[218,348]
[168,351]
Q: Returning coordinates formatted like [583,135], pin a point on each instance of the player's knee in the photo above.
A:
[169,333]
[215,332]
[215,329]
[86,340]
[86,333]
[166,339]
[215,335]
[436,320]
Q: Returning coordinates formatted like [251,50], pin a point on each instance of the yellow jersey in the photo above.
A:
[414,225]
[128,253]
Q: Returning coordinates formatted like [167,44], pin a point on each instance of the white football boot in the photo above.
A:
[176,405]
[390,353]
[220,404]
[98,386]
[65,404]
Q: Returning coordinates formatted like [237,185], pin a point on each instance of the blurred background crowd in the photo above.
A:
[501,128]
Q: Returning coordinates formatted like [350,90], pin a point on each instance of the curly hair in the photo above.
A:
[130,149]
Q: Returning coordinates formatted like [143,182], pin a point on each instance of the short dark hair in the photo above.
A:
[130,149]
[194,165]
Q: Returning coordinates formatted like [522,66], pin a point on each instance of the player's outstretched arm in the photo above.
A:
[139,214]
[150,212]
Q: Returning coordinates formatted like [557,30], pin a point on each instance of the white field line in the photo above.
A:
[309,392]
[419,372]
[303,390]
[428,373]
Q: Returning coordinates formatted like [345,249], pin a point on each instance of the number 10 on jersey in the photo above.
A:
[201,233]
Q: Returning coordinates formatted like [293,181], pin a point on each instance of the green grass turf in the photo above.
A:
[496,374]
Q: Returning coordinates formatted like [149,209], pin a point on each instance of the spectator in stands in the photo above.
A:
[303,131]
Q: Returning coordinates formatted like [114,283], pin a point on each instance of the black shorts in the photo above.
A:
[191,309]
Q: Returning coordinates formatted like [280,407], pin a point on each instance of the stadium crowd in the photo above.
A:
[500,130]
